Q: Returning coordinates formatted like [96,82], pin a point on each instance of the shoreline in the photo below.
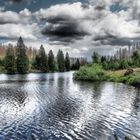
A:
[95,73]
[35,73]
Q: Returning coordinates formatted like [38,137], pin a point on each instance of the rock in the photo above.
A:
[128,72]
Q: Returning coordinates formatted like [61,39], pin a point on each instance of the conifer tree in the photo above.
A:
[60,61]
[77,64]
[95,57]
[51,61]
[10,61]
[67,62]
[22,58]
[42,59]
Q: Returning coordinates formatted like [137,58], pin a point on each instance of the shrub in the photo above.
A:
[90,73]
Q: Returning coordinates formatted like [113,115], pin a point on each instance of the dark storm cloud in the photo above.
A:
[113,40]
[64,29]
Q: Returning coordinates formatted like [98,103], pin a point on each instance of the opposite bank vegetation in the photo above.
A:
[95,72]
[112,69]
[17,59]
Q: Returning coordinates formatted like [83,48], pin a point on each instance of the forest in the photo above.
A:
[21,59]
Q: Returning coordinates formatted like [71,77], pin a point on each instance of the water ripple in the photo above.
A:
[53,106]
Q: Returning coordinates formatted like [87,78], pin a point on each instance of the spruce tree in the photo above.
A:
[36,62]
[10,61]
[51,61]
[60,61]
[136,58]
[95,57]
[22,58]
[77,64]
[43,65]
[67,62]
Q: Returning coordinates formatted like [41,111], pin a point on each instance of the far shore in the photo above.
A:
[97,73]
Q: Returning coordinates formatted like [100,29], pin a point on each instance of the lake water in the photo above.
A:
[55,107]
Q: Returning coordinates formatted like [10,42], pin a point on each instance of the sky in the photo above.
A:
[75,26]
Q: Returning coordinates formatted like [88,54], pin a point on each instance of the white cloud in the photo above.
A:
[16,30]
[25,13]
[13,25]
[9,17]
[95,25]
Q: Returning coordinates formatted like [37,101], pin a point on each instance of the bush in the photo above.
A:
[90,73]
[133,79]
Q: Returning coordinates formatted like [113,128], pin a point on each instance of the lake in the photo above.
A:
[55,107]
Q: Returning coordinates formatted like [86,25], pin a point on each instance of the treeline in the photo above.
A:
[113,63]
[16,60]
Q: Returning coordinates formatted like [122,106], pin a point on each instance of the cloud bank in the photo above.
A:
[101,25]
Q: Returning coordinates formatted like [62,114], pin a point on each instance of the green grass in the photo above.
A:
[97,73]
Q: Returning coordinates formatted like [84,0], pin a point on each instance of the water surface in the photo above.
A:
[54,107]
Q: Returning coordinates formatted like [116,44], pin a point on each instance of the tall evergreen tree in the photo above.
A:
[22,58]
[36,62]
[77,64]
[136,58]
[51,61]
[42,58]
[67,62]
[95,57]
[60,61]
[10,61]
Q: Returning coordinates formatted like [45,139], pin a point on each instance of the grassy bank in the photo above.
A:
[95,72]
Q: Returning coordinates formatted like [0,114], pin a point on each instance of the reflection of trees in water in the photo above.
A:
[14,93]
[64,108]
[95,87]
[63,85]
[136,103]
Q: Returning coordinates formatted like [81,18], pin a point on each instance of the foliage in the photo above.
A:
[95,57]
[133,79]
[51,61]
[90,73]
[22,60]
[112,63]
[10,61]
[42,59]
[67,62]
[95,72]
[32,60]
[60,61]
[76,65]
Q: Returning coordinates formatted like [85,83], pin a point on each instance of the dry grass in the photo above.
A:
[121,72]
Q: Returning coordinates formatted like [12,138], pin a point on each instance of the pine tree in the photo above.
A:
[67,62]
[136,58]
[95,57]
[10,61]
[43,65]
[22,58]
[51,61]
[77,64]
[36,62]
[60,61]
